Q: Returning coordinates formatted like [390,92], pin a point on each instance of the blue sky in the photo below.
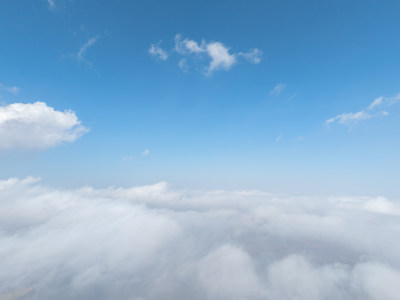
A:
[254,121]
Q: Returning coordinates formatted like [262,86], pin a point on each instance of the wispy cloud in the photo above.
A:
[348,118]
[292,96]
[372,110]
[183,65]
[384,101]
[278,89]
[146,152]
[158,52]
[218,55]
[253,55]
[52,4]
[216,51]
[128,157]
[377,102]
[82,50]
[11,89]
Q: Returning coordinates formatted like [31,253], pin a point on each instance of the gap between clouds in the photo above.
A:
[154,242]
[216,53]
[37,126]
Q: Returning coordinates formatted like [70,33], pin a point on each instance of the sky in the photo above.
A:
[199,149]
[252,116]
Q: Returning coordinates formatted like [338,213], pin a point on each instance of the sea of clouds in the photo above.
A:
[155,242]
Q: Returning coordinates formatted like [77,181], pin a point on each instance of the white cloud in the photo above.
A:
[216,51]
[193,47]
[158,52]
[179,47]
[254,55]
[153,242]
[219,55]
[384,101]
[229,273]
[378,101]
[183,65]
[295,278]
[146,152]
[37,126]
[349,118]
[82,51]
[51,4]
[11,89]
[369,112]
[278,89]
[187,46]
[376,281]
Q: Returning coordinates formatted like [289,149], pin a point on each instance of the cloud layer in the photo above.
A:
[36,126]
[153,242]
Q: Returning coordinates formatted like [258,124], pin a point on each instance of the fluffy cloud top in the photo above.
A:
[37,126]
[152,242]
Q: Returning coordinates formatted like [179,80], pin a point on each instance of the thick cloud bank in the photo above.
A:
[152,242]
[36,126]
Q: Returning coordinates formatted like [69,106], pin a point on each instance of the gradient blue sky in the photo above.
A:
[222,129]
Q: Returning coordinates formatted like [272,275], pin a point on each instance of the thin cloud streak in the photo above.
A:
[82,50]
[11,89]
[52,4]
[371,111]
[278,89]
